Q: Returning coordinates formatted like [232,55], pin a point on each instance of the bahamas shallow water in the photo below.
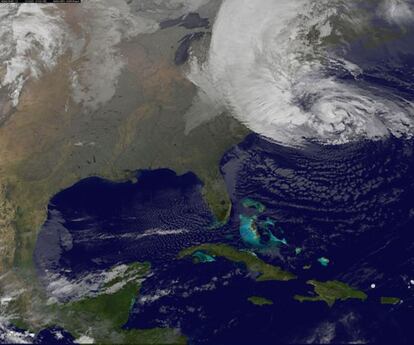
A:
[353,204]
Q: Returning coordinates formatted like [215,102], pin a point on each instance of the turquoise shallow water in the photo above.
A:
[255,232]
[248,230]
[209,300]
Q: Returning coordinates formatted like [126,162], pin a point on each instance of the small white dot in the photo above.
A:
[372,286]
[412,281]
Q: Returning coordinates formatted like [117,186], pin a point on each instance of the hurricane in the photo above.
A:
[327,71]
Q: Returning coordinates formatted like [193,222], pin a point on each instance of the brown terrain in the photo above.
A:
[49,143]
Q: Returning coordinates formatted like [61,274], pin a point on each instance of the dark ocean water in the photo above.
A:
[96,223]
[353,204]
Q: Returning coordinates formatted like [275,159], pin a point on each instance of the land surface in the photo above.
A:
[249,260]
[49,142]
[260,301]
[44,149]
[332,291]
[390,300]
[102,315]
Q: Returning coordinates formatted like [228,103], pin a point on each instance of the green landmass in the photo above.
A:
[260,301]
[50,142]
[101,308]
[101,317]
[390,300]
[249,260]
[331,291]
[142,127]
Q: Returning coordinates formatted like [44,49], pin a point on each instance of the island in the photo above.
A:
[249,227]
[259,301]
[331,291]
[248,230]
[390,300]
[246,258]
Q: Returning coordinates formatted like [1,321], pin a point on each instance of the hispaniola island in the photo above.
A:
[207,172]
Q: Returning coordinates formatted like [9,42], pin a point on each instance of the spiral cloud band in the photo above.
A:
[298,70]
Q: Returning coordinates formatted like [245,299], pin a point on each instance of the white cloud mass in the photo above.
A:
[267,65]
